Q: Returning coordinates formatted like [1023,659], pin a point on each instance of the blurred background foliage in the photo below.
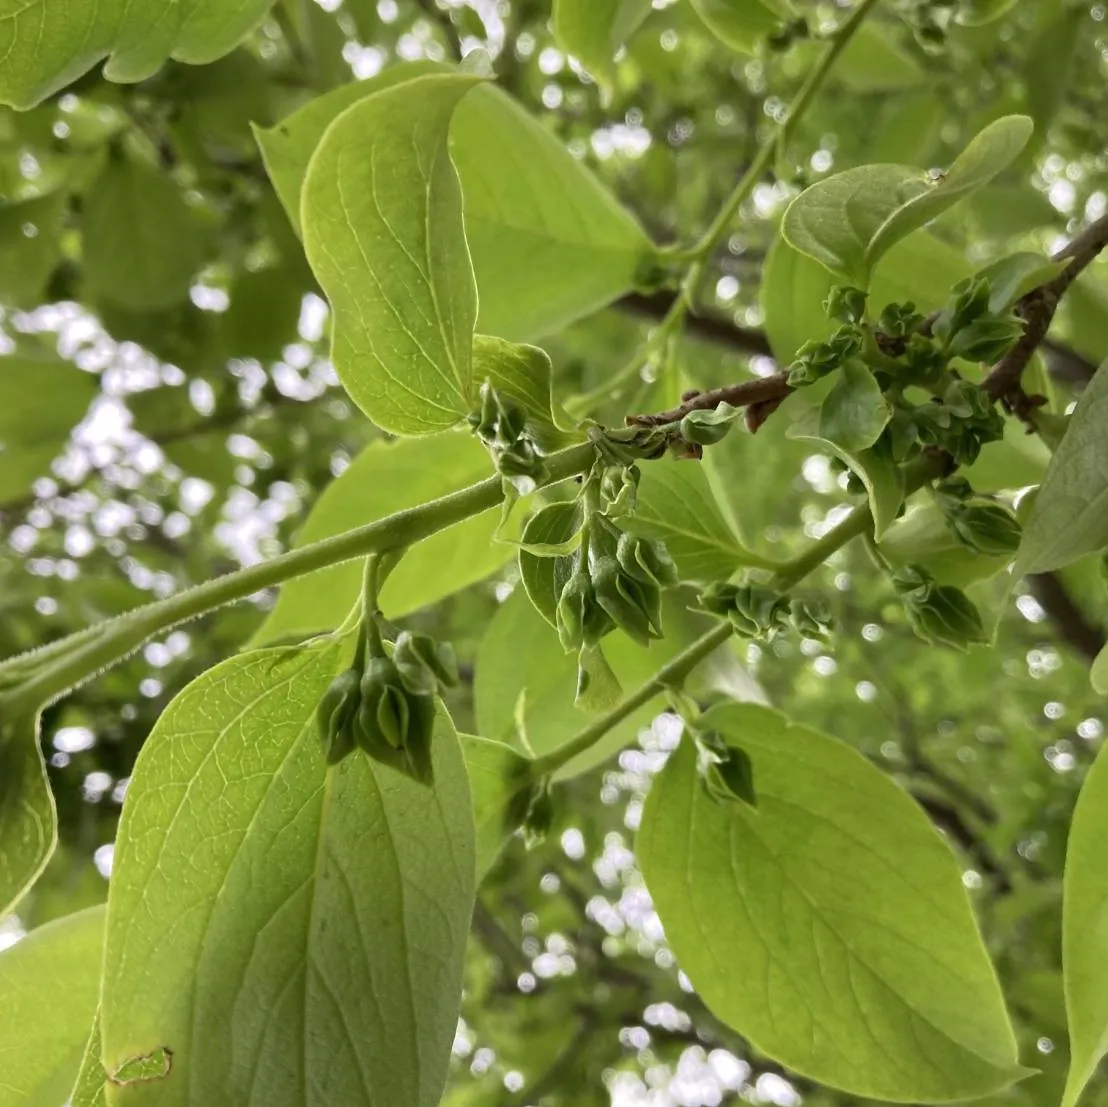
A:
[167,413]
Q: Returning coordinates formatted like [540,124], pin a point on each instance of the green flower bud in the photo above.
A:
[634,607]
[811,618]
[384,715]
[899,320]
[731,779]
[335,716]
[987,528]
[939,614]
[573,603]
[540,815]
[754,610]
[619,487]
[645,560]
[845,304]
[706,428]
[424,663]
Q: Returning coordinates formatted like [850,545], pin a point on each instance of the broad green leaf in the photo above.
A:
[381,211]
[44,48]
[855,412]
[280,929]
[1049,63]
[594,30]
[872,61]
[829,926]
[676,504]
[383,479]
[132,204]
[1070,515]
[549,244]
[525,682]
[743,26]
[30,247]
[49,983]
[40,403]
[921,269]
[848,221]
[89,1089]
[262,318]
[499,777]
[28,820]
[1085,931]
[881,476]
[526,375]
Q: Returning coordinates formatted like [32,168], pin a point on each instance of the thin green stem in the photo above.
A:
[672,674]
[117,638]
[788,575]
[719,226]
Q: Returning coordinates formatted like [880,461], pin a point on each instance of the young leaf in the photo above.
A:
[381,212]
[28,821]
[676,504]
[40,403]
[385,478]
[136,204]
[499,776]
[743,26]
[848,221]
[921,269]
[1015,275]
[43,54]
[1084,943]
[544,578]
[549,244]
[594,30]
[881,476]
[1070,515]
[829,926]
[855,412]
[49,983]
[300,928]
[1098,674]
[525,374]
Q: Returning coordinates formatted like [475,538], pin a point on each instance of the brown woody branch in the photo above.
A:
[1074,628]
[763,395]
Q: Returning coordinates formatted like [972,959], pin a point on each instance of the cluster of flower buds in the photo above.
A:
[938,613]
[501,424]
[616,581]
[726,771]
[758,612]
[384,704]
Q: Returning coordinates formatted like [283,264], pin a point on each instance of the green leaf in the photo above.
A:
[49,983]
[526,375]
[525,682]
[883,480]
[848,221]
[40,403]
[975,13]
[30,247]
[498,777]
[1015,275]
[1070,515]
[89,1090]
[921,269]
[549,244]
[855,412]
[594,30]
[44,52]
[554,525]
[381,211]
[142,244]
[1084,941]
[263,315]
[743,26]
[829,926]
[676,504]
[28,820]
[383,479]
[275,926]
[1049,64]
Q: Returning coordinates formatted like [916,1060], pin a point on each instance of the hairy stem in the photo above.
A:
[66,668]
